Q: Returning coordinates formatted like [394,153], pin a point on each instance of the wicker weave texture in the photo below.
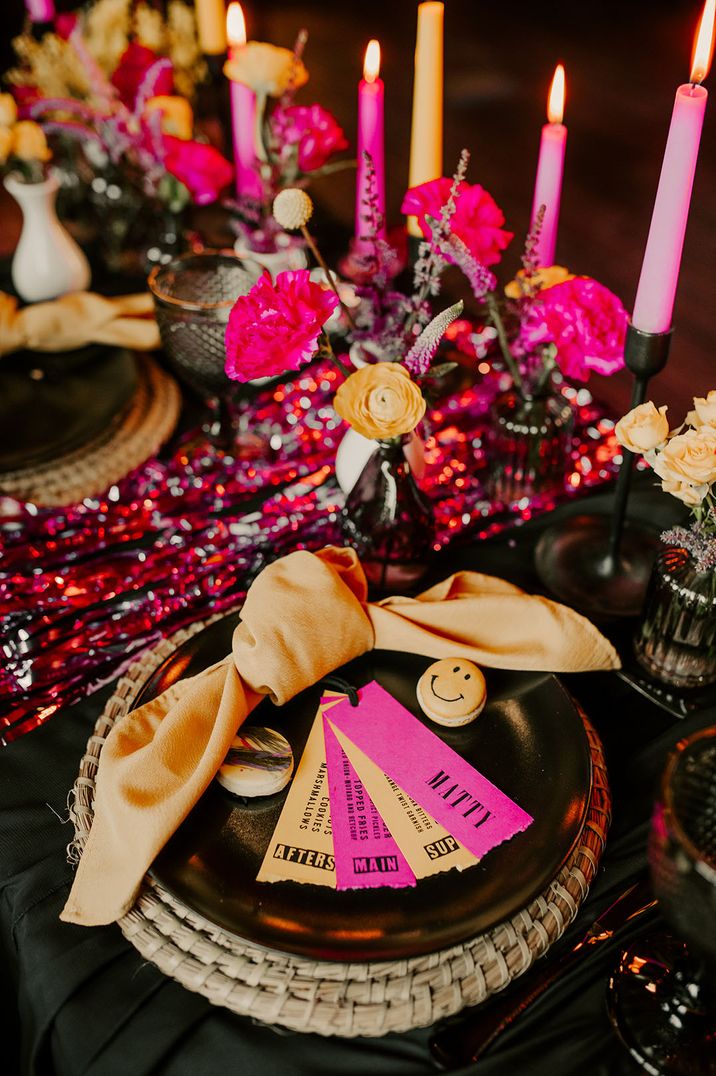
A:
[148,422]
[330,998]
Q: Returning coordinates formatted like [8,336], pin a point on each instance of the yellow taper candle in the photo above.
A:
[211,26]
[426,138]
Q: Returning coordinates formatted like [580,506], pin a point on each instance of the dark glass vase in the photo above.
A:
[676,637]
[389,521]
[134,233]
[529,446]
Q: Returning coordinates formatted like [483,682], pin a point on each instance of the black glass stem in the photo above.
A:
[598,563]
[645,354]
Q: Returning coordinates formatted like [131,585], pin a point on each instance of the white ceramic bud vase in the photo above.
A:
[288,255]
[355,450]
[47,262]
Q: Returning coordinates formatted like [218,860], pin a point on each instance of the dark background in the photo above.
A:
[624,61]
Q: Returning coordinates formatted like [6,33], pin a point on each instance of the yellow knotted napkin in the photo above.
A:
[304,616]
[74,320]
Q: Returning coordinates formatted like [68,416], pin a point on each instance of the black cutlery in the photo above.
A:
[464,1042]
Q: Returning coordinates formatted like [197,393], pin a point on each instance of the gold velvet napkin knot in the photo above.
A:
[303,617]
[74,320]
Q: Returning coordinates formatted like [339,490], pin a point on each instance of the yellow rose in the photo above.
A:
[8,110]
[685,491]
[643,428]
[704,413]
[7,140]
[177,115]
[30,142]
[545,277]
[380,401]
[689,457]
[264,68]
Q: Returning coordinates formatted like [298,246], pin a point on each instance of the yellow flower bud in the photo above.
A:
[8,110]
[177,115]
[30,142]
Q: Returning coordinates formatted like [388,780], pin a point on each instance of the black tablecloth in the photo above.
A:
[78,1000]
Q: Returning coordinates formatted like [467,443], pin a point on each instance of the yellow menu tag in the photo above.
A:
[301,846]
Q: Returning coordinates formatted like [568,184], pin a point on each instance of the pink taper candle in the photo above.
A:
[654,304]
[550,168]
[243,114]
[40,10]
[371,99]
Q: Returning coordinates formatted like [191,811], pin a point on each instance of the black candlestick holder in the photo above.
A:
[597,563]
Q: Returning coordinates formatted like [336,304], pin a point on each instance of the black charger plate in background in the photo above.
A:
[529,741]
[54,403]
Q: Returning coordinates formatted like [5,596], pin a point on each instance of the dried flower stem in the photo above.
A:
[327,350]
[329,275]
[495,316]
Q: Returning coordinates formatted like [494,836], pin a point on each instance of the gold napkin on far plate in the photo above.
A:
[74,320]
[304,616]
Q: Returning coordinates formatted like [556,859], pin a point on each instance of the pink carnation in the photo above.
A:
[313,129]
[276,326]
[200,167]
[585,321]
[477,219]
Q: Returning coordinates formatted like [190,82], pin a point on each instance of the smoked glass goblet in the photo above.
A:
[662,998]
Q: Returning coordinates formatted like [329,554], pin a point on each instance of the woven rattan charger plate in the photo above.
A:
[328,998]
[147,422]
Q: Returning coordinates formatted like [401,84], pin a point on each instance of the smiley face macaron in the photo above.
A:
[452,692]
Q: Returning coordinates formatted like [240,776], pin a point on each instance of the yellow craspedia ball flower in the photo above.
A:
[292,209]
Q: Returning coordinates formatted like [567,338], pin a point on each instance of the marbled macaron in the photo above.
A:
[259,763]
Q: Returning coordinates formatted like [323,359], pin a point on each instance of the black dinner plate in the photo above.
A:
[52,404]
[529,740]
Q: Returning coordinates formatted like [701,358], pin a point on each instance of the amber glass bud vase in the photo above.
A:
[389,521]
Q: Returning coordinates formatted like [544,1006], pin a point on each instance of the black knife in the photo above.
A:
[464,1042]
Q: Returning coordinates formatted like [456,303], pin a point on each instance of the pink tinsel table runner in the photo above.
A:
[82,589]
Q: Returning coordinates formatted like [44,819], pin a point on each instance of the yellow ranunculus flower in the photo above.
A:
[380,401]
[177,115]
[8,110]
[545,277]
[7,141]
[643,428]
[30,142]
[265,68]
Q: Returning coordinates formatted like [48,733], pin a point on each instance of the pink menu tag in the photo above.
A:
[366,854]
[452,791]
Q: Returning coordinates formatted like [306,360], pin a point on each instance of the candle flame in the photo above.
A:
[235,25]
[371,64]
[704,43]
[557,91]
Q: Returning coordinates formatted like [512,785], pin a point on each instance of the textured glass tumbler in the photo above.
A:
[193,297]
[528,447]
[676,637]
